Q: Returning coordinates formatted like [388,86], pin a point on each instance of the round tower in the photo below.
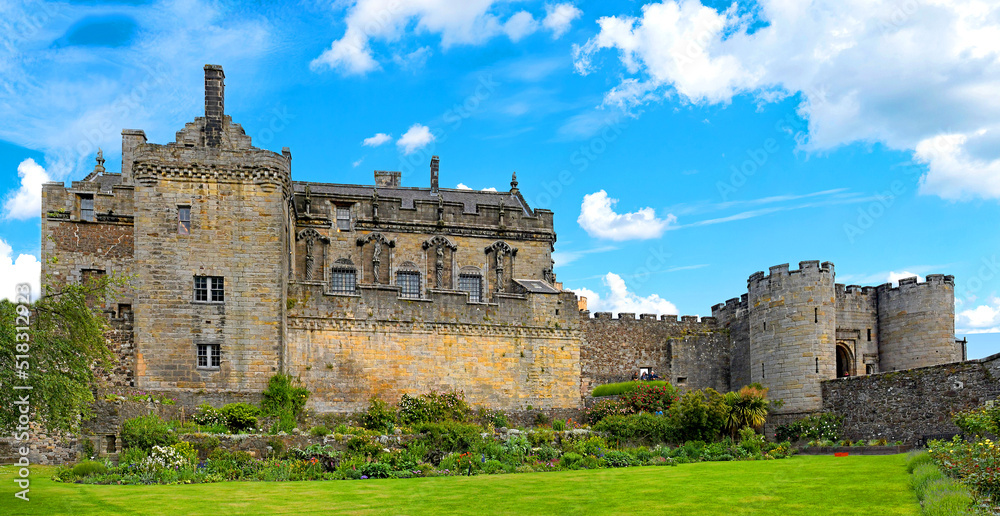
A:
[793,333]
[917,323]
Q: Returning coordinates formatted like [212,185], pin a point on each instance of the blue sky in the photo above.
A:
[682,146]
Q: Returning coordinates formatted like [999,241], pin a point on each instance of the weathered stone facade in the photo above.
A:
[238,272]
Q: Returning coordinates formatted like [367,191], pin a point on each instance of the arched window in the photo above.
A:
[343,277]
[408,280]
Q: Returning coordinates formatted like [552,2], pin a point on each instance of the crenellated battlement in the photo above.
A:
[779,272]
[905,284]
[709,322]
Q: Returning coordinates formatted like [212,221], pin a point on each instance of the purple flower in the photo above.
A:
[364,477]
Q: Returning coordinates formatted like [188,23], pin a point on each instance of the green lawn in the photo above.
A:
[807,485]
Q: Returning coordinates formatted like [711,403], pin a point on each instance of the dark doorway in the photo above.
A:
[845,362]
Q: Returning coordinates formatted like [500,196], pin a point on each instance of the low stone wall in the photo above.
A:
[908,405]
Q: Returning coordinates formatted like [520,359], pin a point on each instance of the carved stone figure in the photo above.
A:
[376,260]
[439,266]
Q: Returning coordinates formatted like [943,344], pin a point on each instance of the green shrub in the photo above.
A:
[594,445]
[284,395]
[541,419]
[89,467]
[208,416]
[979,421]
[923,475]
[319,431]
[497,418]
[493,466]
[516,446]
[559,425]
[699,415]
[376,470]
[364,446]
[917,458]
[614,389]
[379,416]
[750,441]
[541,437]
[240,417]
[818,427]
[187,451]
[449,436]
[947,498]
[434,407]
[571,460]
[132,458]
[633,428]
[145,432]
[619,459]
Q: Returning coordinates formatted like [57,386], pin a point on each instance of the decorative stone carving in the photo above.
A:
[439,243]
[310,236]
[500,249]
[378,240]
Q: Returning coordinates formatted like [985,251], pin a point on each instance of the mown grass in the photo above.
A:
[801,485]
[612,389]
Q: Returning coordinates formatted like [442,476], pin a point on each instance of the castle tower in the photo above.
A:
[213,230]
[792,327]
[917,323]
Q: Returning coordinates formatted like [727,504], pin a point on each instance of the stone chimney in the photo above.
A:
[434,173]
[131,140]
[215,104]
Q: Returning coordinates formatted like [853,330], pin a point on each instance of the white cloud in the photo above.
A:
[458,23]
[520,25]
[559,17]
[618,299]
[599,219]
[981,319]
[357,163]
[490,189]
[377,140]
[414,60]
[26,201]
[894,277]
[416,137]
[461,186]
[25,269]
[918,76]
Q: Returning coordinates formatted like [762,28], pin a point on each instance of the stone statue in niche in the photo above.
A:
[376,260]
[439,243]
[378,242]
[310,236]
[439,265]
[308,200]
[501,249]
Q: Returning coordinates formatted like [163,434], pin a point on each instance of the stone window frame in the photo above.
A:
[342,217]
[343,268]
[86,214]
[208,355]
[468,273]
[412,286]
[182,228]
[213,291]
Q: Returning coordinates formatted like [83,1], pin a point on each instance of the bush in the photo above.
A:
[208,416]
[497,418]
[605,408]
[820,427]
[132,458]
[376,470]
[947,498]
[923,475]
[284,395]
[699,415]
[748,407]
[571,460]
[434,407]
[89,467]
[449,436]
[917,458]
[379,416]
[619,459]
[145,432]
[634,428]
[650,398]
[319,431]
[979,421]
[614,389]
[750,441]
[559,425]
[240,417]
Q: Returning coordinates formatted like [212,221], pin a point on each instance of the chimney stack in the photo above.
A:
[434,173]
[215,103]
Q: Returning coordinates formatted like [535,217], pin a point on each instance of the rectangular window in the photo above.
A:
[343,218]
[209,288]
[343,281]
[409,282]
[473,284]
[183,220]
[209,355]
[869,334]
[87,207]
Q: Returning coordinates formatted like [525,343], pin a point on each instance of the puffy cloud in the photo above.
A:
[416,137]
[981,319]
[558,18]
[619,299]
[599,219]
[376,140]
[894,276]
[461,186]
[917,76]
[520,25]
[26,201]
[458,23]
[25,269]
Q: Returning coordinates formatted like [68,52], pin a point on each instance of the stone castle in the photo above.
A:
[238,272]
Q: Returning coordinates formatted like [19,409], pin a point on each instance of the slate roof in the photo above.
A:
[469,198]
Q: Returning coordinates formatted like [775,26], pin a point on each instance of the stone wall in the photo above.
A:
[734,316]
[516,352]
[691,354]
[908,405]
[857,327]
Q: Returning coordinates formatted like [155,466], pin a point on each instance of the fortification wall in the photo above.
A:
[908,405]
[792,330]
[240,231]
[917,323]
[734,315]
[691,354]
[857,327]
[509,354]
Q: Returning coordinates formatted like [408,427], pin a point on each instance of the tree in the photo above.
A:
[748,407]
[65,348]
